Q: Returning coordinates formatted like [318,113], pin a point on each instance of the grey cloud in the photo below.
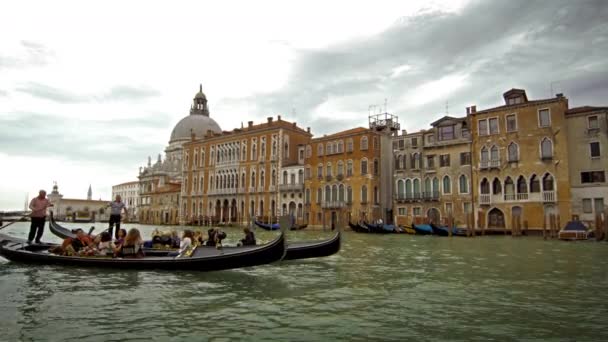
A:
[114,141]
[32,54]
[117,93]
[498,44]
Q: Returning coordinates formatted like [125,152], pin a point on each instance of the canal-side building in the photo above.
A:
[233,176]
[129,193]
[157,181]
[342,178]
[76,209]
[432,173]
[291,188]
[520,161]
[587,142]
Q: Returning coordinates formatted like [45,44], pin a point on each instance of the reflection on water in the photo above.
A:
[377,288]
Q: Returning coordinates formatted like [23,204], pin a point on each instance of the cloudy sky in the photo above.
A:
[89,89]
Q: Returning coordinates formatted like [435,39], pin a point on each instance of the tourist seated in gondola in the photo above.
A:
[132,247]
[101,246]
[71,246]
[249,239]
[187,244]
[175,240]
[215,237]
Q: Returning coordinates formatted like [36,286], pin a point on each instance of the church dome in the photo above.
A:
[198,122]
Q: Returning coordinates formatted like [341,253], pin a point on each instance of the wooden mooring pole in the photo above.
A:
[545,226]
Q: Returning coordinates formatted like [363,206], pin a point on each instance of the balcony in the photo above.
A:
[328,178]
[429,169]
[522,197]
[509,197]
[340,177]
[251,189]
[485,199]
[291,187]
[489,164]
[549,196]
[261,188]
[272,188]
[431,196]
[333,205]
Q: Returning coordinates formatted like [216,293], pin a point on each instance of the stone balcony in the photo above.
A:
[291,187]
[333,205]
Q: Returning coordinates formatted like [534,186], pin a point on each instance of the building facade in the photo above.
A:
[291,188]
[74,209]
[129,192]
[520,161]
[587,142]
[233,176]
[432,173]
[157,181]
[342,178]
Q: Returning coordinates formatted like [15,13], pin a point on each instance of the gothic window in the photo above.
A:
[513,152]
[364,144]
[447,185]
[546,148]
[463,184]
[534,184]
[522,185]
[363,166]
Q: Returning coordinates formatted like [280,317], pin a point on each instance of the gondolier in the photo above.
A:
[38,205]
[116,210]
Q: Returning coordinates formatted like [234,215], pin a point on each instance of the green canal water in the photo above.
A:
[379,287]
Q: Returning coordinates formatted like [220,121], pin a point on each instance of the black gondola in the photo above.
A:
[358,228]
[294,250]
[298,226]
[201,259]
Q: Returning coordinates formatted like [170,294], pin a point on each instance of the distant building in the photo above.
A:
[158,180]
[233,176]
[129,192]
[587,142]
[520,161]
[291,188]
[72,209]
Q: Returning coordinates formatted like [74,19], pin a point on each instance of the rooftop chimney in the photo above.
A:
[294,124]
[468,110]
[307,129]
[558,95]
[278,118]
[473,109]
[269,119]
[249,124]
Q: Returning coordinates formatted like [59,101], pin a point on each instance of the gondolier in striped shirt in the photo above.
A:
[38,205]
[116,210]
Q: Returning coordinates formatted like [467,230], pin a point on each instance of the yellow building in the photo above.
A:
[432,174]
[159,201]
[342,178]
[520,161]
[233,176]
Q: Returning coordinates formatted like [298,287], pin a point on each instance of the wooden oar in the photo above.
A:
[18,220]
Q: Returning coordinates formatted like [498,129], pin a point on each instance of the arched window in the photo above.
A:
[548,183]
[363,166]
[364,143]
[300,177]
[329,169]
[349,145]
[447,185]
[327,193]
[273,181]
[522,185]
[416,188]
[376,167]
[509,189]
[513,152]
[319,195]
[485,186]
[284,177]
[319,149]
[308,151]
[341,193]
[243,179]
[340,168]
[463,184]
[334,193]
[436,185]
[496,187]
[484,155]
[427,187]
[349,194]
[400,189]
[262,178]
[494,153]
[546,149]
[340,146]
[534,184]
[364,194]
[349,168]
[328,149]
[408,188]
[307,196]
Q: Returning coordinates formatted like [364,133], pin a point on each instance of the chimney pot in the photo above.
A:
[308,129]
[250,124]
[269,119]
[278,118]
[559,95]
[468,110]
[473,109]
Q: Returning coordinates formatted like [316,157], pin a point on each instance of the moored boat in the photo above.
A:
[358,228]
[422,229]
[574,230]
[201,259]
[267,226]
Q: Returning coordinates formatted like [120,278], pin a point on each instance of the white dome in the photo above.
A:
[197,123]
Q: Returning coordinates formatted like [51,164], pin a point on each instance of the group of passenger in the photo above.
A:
[126,245]
[131,245]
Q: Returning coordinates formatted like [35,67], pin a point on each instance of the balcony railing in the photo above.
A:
[333,205]
[495,164]
[522,197]
[430,195]
[489,164]
[549,196]
[251,189]
[261,188]
[509,197]
[291,187]
[328,178]
[485,199]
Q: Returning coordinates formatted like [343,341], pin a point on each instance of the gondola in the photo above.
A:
[422,229]
[298,226]
[201,259]
[358,228]
[267,226]
[443,230]
[294,250]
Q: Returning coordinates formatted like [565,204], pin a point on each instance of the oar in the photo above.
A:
[19,219]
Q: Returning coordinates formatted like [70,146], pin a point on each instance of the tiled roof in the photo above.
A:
[583,109]
[343,133]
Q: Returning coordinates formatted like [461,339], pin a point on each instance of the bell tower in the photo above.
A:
[199,103]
